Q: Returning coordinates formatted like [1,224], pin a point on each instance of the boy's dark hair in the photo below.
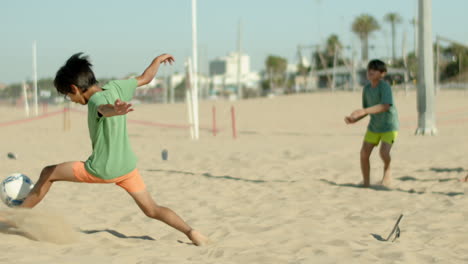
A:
[377,65]
[77,71]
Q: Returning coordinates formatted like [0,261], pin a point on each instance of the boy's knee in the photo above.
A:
[47,171]
[154,212]
[385,156]
[365,154]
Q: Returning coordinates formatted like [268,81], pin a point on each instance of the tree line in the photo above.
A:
[452,62]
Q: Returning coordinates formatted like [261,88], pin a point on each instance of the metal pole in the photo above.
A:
[335,55]
[189,97]
[354,76]
[36,110]
[425,102]
[415,30]
[405,65]
[239,62]
[25,96]
[437,67]
[195,69]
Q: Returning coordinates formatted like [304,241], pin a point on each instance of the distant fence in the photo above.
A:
[455,86]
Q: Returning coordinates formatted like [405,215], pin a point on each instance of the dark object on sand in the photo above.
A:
[12,155]
[164,154]
[395,231]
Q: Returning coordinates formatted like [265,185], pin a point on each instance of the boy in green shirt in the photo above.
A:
[377,101]
[112,159]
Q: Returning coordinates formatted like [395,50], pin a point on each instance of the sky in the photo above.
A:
[123,37]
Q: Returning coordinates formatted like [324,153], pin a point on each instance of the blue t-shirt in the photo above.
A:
[112,155]
[381,94]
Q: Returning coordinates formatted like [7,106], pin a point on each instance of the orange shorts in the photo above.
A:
[131,182]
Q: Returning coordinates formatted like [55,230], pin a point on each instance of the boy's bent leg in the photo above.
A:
[366,151]
[60,172]
[386,158]
[166,215]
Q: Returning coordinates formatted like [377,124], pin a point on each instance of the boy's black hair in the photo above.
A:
[377,65]
[77,71]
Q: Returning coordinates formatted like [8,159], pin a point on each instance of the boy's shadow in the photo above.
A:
[411,178]
[383,188]
[6,229]
[458,169]
[116,234]
[120,235]
[354,185]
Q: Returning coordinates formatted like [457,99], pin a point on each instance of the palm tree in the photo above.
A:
[333,42]
[363,26]
[393,19]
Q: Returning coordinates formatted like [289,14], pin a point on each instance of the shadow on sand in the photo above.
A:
[441,170]
[223,177]
[372,187]
[383,188]
[116,234]
[379,237]
[411,178]
[6,229]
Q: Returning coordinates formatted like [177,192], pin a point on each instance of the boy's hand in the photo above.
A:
[165,58]
[122,108]
[358,114]
[151,71]
[349,120]
[355,116]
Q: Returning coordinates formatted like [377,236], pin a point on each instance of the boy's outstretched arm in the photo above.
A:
[151,71]
[361,113]
[118,108]
[355,116]
[376,109]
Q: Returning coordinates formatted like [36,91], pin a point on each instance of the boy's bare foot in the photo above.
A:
[197,238]
[363,185]
[7,221]
[386,181]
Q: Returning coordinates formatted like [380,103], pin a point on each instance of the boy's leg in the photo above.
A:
[50,174]
[386,158]
[166,215]
[366,151]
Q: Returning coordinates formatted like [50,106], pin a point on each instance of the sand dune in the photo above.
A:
[284,191]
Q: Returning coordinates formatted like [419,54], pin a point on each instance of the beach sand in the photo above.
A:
[284,191]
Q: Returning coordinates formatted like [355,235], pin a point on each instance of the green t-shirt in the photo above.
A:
[382,94]
[112,155]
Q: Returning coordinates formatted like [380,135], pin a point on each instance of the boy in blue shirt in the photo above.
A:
[377,101]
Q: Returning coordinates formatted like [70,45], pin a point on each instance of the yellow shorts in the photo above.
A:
[131,182]
[375,138]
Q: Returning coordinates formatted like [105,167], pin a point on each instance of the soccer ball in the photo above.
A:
[15,188]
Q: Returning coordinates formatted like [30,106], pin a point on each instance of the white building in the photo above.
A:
[224,71]
[227,65]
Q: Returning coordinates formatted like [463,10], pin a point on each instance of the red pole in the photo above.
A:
[214,119]
[233,118]
[44,108]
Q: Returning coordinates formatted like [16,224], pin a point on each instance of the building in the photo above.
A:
[224,75]
[227,65]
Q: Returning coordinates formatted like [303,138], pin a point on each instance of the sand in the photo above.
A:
[284,191]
